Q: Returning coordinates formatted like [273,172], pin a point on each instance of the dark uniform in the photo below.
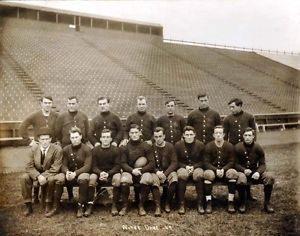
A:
[190,154]
[204,122]
[145,121]
[173,126]
[68,120]
[105,120]
[234,126]
[252,156]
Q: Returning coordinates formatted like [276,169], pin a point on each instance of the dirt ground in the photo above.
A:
[282,160]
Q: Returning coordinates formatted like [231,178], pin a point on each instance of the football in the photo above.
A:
[140,162]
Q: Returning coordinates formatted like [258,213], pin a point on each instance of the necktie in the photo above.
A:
[43,156]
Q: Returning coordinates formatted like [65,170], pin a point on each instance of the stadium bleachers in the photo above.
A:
[122,65]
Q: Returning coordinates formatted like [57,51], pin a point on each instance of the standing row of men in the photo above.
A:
[105,131]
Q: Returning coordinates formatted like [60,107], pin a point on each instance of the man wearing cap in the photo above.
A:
[44,164]
[235,124]
[190,154]
[172,123]
[204,119]
[65,121]
[133,173]
[105,120]
[143,119]
[106,169]
[76,166]
[219,162]
[251,167]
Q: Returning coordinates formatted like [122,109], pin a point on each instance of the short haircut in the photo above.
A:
[237,101]
[46,97]
[249,129]
[104,98]
[139,98]
[106,131]
[75,130]
[202,94]
[189,128]
[158,129]
[170,100]
[134,126]
[73,97]
[219,127]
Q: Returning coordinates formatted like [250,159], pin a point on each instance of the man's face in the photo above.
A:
[105,139]
[103,105]
[219,134]
[189,136]
[72,105]
[170,108]
[234,108]
[134,134]
[75,138]
[248,137]
[203,102]
[45,140]
[141,105]
[159,138]
[46,104]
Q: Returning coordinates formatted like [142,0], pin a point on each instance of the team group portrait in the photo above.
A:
[108,126]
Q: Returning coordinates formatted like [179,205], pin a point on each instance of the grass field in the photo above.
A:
[282,160]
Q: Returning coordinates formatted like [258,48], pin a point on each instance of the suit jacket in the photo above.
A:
[52,162]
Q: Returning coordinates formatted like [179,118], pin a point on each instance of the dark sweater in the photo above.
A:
[146,122]
[165,158]
[132,151]
[250,157]
[234,126]
[78,159]
[106,159]
[190,154]
[219,157]
[105,120]
[204,121]
[37,120]
[173,126]
[68,120]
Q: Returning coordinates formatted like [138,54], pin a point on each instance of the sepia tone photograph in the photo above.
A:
[150,117]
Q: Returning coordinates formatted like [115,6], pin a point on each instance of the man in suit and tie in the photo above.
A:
[45,162]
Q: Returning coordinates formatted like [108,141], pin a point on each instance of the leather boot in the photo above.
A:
[208,209]
[57,196]
[200,207]
[181,209]
[231,208]
[89,210]
[116,196]
[124,194]
[167,207]
[268,191]
[80,210]
[242,191]
[142,211]
[156,197]
[28,209]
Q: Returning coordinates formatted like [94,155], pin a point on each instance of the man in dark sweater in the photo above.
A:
[105,120]
[219,164]
[166,165]
[72,118]
[43,118]
[106,169]
[135,173]
[251,165]
[76,166]
[172,123]
[234,126]
[145,121]
[190,154]
[204,119]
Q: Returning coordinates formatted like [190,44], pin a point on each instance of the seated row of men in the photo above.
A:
[149,166]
